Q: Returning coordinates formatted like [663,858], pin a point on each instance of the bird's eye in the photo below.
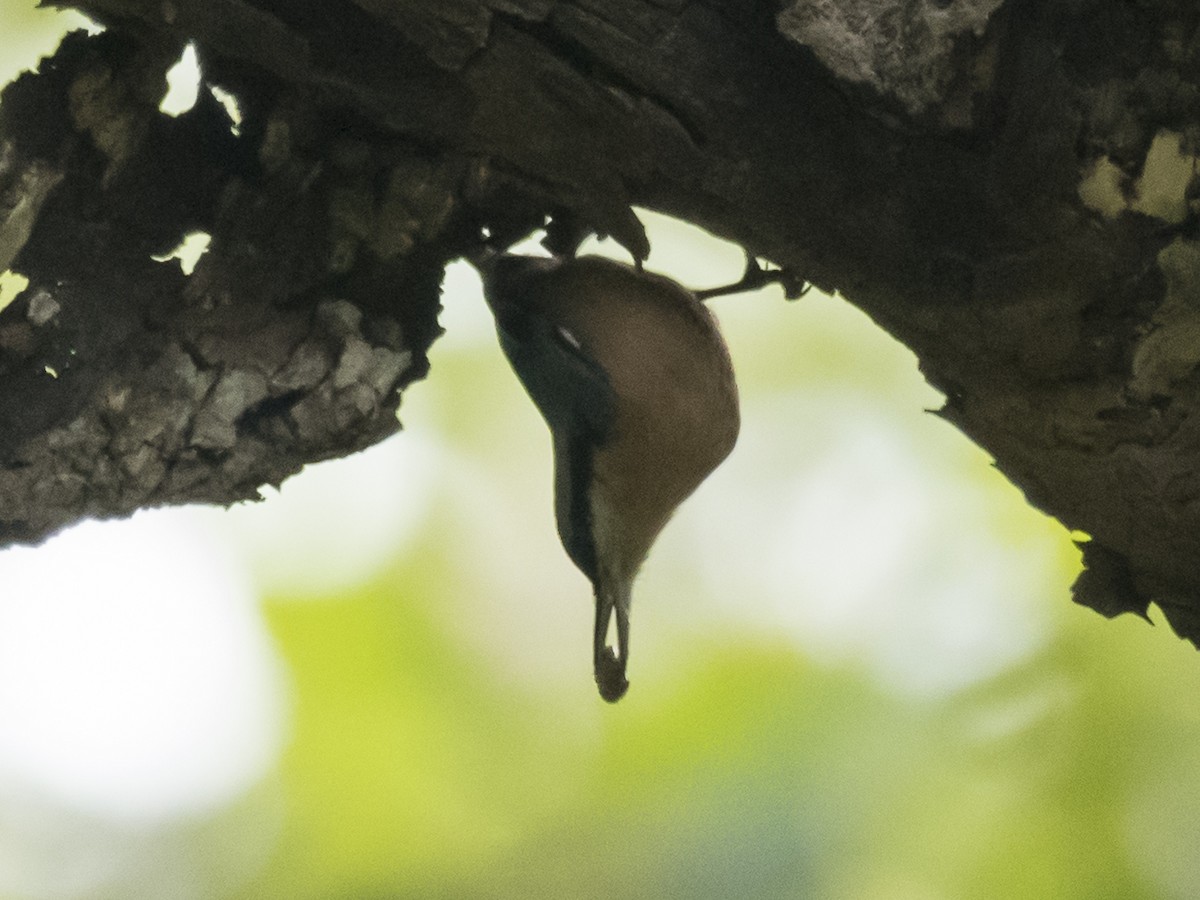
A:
[569,338]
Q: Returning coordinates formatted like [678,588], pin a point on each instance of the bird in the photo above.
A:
[634,380]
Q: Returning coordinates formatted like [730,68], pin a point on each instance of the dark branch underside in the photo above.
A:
[1007,188]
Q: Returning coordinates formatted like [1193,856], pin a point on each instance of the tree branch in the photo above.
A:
[1009,188]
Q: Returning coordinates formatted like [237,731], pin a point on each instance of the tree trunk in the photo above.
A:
[1009,188]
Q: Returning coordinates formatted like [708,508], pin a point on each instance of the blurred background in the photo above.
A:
[858,673]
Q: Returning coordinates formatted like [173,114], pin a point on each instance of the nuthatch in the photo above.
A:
[635,382]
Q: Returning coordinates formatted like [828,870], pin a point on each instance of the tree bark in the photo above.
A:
[1009,188]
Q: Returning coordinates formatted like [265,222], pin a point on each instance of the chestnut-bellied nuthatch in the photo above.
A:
[635,382]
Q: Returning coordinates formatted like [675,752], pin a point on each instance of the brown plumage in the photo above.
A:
[635,382]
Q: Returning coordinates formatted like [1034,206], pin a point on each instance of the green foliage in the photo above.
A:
[753,773]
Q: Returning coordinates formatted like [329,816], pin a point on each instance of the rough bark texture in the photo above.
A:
[1010,188]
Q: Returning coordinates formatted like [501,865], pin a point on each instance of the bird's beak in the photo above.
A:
[610,665]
